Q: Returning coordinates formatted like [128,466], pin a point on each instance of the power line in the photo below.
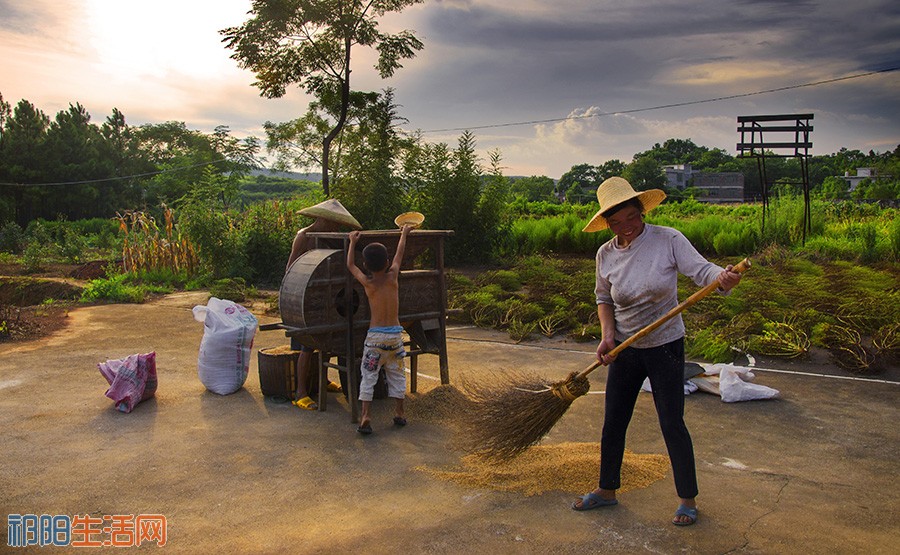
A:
[662,106]
[498,125]
[105,179]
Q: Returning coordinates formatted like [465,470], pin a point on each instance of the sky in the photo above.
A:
[548,84]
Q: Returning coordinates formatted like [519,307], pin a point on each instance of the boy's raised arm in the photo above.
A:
[401,248]
[351,260]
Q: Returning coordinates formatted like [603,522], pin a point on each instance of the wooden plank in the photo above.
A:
[777,128]
[777,117]
[754,146]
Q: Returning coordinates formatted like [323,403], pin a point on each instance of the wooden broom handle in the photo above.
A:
[739,268]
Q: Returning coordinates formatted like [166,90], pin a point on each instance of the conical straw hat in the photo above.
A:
[331,210]
[617,190]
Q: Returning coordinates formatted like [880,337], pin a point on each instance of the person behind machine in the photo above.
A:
[384,341]
[329,215]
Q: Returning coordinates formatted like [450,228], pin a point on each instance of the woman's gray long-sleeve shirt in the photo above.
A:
[640,281]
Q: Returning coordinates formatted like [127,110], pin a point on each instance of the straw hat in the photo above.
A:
[616,190]
[331,210]
[413,219]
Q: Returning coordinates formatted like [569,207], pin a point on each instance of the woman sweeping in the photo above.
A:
[637,272]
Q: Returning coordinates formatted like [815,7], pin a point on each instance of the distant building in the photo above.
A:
[861,174]
[715,188]
[720,187]
[678,175]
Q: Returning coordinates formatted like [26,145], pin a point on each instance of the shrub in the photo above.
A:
[36,255]
[893,230]
[232,289]
[12,238]
[266,233]
[508,280]
[71,245]
[115,289]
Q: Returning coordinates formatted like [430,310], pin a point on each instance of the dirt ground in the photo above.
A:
[812,472]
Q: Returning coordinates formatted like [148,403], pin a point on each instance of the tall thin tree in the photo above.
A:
[308,43]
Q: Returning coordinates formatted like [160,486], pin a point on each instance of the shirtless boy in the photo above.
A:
[384,340]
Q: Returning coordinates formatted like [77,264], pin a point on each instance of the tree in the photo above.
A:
[645,173]
[533,188]
[22,157]
[182,156]
[582,176]
[834,188]
[493,220]
[124,159]
[714,160]
[674,151]
[298,143]
[74,150]
[367,183]
[309,42]
[5,113]
[611,168]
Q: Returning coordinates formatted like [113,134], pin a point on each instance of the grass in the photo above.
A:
[783,307]
[864,234]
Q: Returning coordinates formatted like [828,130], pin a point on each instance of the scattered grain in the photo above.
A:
[280,350]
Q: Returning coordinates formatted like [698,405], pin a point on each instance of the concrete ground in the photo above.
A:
[812,472]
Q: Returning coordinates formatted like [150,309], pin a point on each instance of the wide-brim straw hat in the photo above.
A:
[617,190]
[413,219]
[331,210]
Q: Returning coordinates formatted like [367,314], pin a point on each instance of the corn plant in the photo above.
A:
[146,247]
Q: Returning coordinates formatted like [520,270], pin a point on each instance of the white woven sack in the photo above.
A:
[228,332]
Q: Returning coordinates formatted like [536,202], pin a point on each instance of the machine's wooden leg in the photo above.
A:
[413,371]
[442,354]
[353,378]
[323,380]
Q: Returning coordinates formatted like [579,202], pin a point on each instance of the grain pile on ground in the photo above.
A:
[514,410]
[567,467]
[444,404]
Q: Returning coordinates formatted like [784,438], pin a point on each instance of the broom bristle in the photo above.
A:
[516,410]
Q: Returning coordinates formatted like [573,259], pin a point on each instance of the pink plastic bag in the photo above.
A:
[131,380]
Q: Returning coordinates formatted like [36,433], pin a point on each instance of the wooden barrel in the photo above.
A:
[278,372]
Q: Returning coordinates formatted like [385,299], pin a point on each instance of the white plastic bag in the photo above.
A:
[689,387]
[733,387]
[732,383]
[228,332]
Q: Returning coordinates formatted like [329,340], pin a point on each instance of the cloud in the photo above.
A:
[23,16]
[611,66]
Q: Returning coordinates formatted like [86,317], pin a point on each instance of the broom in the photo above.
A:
[513,413]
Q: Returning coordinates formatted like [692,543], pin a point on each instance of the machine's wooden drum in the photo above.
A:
[313,299]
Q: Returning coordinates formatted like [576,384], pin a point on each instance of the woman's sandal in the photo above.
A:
[592,501]
[306,403]
[334,387]
[690,512]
